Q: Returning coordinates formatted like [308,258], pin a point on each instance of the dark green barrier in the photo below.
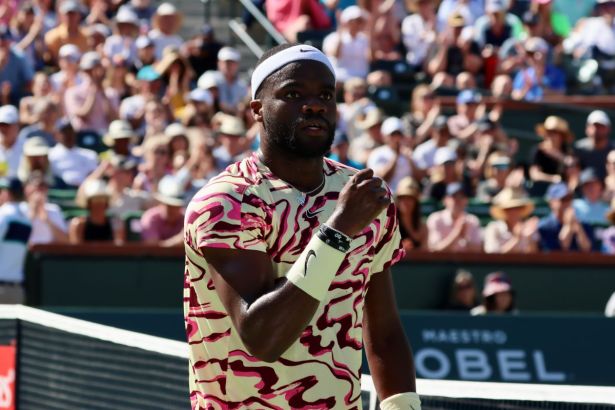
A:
[151,277]
[543,282]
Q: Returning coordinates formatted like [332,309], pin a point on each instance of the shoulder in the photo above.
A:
[583,144]
[473,219]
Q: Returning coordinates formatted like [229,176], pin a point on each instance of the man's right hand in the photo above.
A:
[360,202]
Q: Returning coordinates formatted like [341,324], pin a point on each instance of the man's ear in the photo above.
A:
[257,110]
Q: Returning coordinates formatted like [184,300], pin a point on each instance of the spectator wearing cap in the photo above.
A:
[45,114]
[41,91]
[497,175]
[339,150]
[11,147]
[290,17]
[69,31]
[163,224]
[469,10]
[355,104]
[166,23]
[15,230]
[444,172]
[145,54]
[132,109]
[370,137]
[593,150]
[198,110]
[121,45]
[231,139]
[202,50]
[608,236]
[69,74]
[15,71]
[91,105]
[232,89]
[408,203]
[418,31]
[348,47]
[591,208]
[511,231]
[70,164]
[547,164]
[35,160]
[453,229]
[424,155]
[561,230]
[97,225]
[498,296]
[48,223]
[468,112]
[537,78]
[210,81]
[391,161]
[454,53]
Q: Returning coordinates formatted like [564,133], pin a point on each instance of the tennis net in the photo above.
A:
[71,364]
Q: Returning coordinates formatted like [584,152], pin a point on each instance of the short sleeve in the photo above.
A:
[228,216]
[389,249]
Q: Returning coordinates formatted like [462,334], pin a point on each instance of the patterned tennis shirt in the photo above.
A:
[247,207]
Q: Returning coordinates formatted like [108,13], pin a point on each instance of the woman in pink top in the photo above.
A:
[290,17]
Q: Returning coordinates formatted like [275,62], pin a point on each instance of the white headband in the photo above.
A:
[287,56]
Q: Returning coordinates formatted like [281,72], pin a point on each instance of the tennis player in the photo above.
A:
[288,258]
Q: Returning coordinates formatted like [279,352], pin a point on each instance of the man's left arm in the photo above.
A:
[388,352]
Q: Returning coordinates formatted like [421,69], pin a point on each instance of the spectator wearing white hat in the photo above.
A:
[145,54]
[69,74]
[11,147]
[593,150]
[391,161]
[166,23]
[231,89]
[35,160]
[163,224]
[90,105]
[15,71]
[470,10]
[69,31]
[348,47]
[121,45]
[497,25]
[231,135]
[210,81]
[198,110]
[97,226]
[444,172]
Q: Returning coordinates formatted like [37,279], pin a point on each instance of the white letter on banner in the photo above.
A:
[541,369]
[512,365]
[472,364]
[444,366]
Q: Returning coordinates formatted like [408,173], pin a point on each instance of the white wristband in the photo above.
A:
[316,267]
[401,401]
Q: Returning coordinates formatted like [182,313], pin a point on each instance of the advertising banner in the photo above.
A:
[509,348]
[7,378]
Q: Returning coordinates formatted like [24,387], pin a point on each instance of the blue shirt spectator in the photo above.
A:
[591,208]
[553,79]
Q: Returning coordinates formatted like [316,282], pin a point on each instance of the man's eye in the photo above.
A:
[327,96]
[292,94]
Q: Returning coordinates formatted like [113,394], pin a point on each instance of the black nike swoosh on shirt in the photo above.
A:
[309,214]
[307,259]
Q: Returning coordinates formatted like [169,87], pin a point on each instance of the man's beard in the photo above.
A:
[284,135]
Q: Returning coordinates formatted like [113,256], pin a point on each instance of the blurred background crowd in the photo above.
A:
[110,120]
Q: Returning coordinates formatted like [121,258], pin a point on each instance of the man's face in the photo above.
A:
[228,68]
[297,109]
[72,18]
[97,74]
[592,191]
[598,132]
[66,137]
[8,134]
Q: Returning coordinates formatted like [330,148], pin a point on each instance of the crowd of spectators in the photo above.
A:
[107,101]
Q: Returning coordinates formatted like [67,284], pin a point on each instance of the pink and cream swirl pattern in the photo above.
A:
[246,207]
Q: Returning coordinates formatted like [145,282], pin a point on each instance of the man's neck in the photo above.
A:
[304,174]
